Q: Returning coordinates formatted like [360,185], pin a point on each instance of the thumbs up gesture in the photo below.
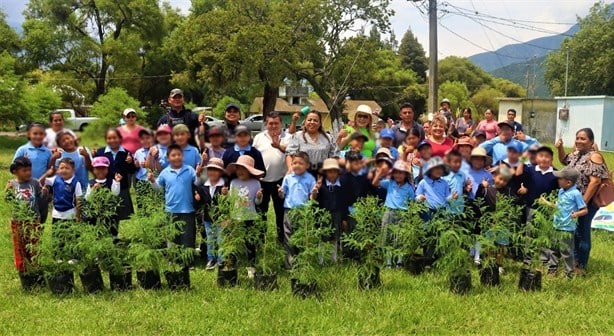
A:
[196,196]
[522,190]
[118,177]
[129,159]
[280,191]
[199,169]
[468,185]
[259,194]
[224,190]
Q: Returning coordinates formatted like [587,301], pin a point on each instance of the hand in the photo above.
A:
[93,151]
[318,185]
[382,170]
[455,195]
[118,177]
[224,190]
[416,161]
[201,118]
[196,196]
[137,163]
[390,122]
[344,225]
[574,214]
[96,185]
[280,191]
[343,134]
[468,185]
[83,151]
[559,143]
[485,183]
[199,169]
[151,177]
[204,157]
[522,190]
[295,117]
[56,155]
[421,198]
[129,159]
[259,194]
[276,141]
[154,151]
[9,185]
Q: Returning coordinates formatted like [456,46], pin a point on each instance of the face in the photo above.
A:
[362,120]
[465,151]
[513,156]
[273,125]
[533,158]
[356,166]
[67,142]
[175,158]
[356,145]
[477,162]
[176,102]
[146,140]
[488,115]
[455,163]
[427,128]
[565,183]
[332,175]
[299,165]
[312,123]
[242,173]
[130,118]
[379,127]
[101,172]
[57,122]
[437,129]
[407,114]
[476,140]
[583,143]
[164,139]
[445,106]
[36,135]
[232,115]
[466,114]
[499,181]
[426,152]
[23,173]
[181,138]
[399,176]
[385,142]
[511,116]
[113,140]
[436,173]
[66,171]
[214,175]
[216,140]
[505,133]
[544,160]
[412,140]
[242,139]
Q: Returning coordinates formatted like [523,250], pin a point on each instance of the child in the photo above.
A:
[100,168]
[177,180]
[329,192]
[540,178]
[356,143]
[399,193]
[478,162]
[120,162]
[407,151]
[242,147]
[570,206]
[181,137]
[40,158]
[386,140]
[247,187]
[464,146]
[158,152]
[295,190]
[80,157]
[207,195]
[383,160]
[458,181]
[23,189]
[478,137]
[514,152]
[67,192]
[216,139]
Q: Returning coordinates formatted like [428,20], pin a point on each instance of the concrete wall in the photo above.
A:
[607,132]
[506,104]
[542,126]
[585,111]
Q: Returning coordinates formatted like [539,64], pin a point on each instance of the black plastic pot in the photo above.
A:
[30,281]
[265,282]
[416,264]
[371,280]
[149,279]
[121,282]
[303,290]
[178,280]
[61,283]
[530,280]
[460,283]
[489,276]
[227,278]
[91,280]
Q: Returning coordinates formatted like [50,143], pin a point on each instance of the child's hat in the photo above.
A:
[215,131]
[401,166]
[515,145]
[435,162]
[353,156]
[216,163]
[463,141]
[424,143]
[481,152]
[330,164]
[145,131]
[101,161]
[386,133]
[568,173]
[478,133]
[384,151]
[242,129]
[246,162]
[164,128]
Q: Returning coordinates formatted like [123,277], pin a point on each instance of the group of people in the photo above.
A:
[444,163]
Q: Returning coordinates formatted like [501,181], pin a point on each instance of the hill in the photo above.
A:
[517,73]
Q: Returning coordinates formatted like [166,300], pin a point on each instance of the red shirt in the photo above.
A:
[441,149]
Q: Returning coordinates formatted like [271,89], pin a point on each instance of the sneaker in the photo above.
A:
[251,272]
[477,262]
[501,270]
[210,265]
[73,261]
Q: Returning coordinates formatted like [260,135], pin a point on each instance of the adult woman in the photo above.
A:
[438,140]
[489,125]
[312,140]
[363,120]
[130,131]
[56,119]
[464,125]
[592,170]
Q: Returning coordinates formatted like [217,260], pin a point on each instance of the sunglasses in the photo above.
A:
[130,116]
[362,116]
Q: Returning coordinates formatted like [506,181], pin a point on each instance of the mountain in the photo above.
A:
[518,72]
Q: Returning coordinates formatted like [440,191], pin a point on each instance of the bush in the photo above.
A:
[38,100]
[109,108]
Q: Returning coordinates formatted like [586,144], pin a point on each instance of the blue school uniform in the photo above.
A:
[162,156]
[498,149]
[119,165]
[177,185]
[477,176]
[397,197]
[39,156]
[437,192]
[456,181]
[141,155]
[81,173]
[191,156]
[569,201]
[297,189]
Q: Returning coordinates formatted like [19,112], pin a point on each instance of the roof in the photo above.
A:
[282,105]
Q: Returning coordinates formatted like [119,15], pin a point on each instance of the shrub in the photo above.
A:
[109,108]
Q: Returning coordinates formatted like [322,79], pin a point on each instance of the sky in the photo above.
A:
[458,35]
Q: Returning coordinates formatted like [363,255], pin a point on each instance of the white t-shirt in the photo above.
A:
[274,159]
[70,213]
[50,134]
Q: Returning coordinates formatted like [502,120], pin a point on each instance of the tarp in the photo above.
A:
[604,218]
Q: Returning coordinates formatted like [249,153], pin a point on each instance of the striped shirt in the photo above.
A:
[319,150]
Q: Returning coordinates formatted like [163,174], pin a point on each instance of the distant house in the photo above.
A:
[595,112]
[293,99]
[537,116]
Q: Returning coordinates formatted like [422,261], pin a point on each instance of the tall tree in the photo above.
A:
[591,60]
[87,37]
[461,69]
[412,54]
[9,40]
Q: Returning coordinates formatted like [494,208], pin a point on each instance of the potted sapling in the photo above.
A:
[369,239]
[178,258]
[269,259]
[92,243]
[116,262]
[408,236]
[307,241]
[56,256]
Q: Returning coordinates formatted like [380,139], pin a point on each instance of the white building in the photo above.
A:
[595,112]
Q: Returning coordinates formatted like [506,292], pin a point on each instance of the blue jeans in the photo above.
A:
[213,236]
[582,240]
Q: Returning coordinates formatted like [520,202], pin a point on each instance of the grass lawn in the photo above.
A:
[404,304]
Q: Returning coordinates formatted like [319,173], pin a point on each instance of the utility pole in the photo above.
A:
[432,100]
[566,69]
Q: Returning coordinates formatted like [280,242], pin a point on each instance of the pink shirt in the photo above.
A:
[130,139]
[441,149]
[491,128]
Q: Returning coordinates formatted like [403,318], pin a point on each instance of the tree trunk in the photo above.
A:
[101,81]
[269,99]
[335,111]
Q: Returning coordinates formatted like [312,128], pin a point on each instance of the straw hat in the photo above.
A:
[330,164]
[215,163]
[481,152]
[362,109]
[385,151]
[463,141]
[248,163]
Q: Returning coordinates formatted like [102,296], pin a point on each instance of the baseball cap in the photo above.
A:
[128,111]
[215,131]
[241,129]
[100,161]
[175,92]
[479,133]
[424,143]
[386,133]
[515,145]
[506,124]
[232,105]
[568,173]
[145,131]
[164,128]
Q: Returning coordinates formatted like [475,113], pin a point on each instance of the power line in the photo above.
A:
[509,19]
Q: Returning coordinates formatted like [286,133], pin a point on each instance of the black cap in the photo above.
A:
[353,156]
[509,124]
[232,105]
[145,131]
[545,149]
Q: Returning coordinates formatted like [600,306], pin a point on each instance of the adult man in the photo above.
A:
[232,115]
[178,114]
[497,146]
[511,117]
[406,113]
[271,143]
[446,111]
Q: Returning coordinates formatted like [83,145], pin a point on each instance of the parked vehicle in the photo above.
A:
[254,123]
[73,122]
